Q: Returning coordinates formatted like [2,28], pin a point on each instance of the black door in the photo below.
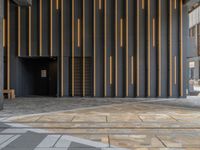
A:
[39,77]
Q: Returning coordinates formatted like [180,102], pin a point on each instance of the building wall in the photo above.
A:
[138,48]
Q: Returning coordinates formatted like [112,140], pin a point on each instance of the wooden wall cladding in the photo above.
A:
[135,47]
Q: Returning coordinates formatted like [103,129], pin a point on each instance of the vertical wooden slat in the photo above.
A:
[153,33]
[142,4]
[8,44]
[79,33]
[51,27]
[29,31]
[100,4]
[127,47]
[170,49]
[19,31]
[110,70]
[132,70]
[105,48]
[57,4]
[181,48]
[175,66]
[116,48]
[159,50]
[121,32]
[149,48]
[138,48]
[83,47]
[94,36]
[62,49]
[40,51]
[175,4]
[73,46]
[4,32]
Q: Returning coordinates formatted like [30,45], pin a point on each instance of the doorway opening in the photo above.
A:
[38,77]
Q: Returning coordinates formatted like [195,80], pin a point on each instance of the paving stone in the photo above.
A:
[55,118]
[156,118]
[87,118]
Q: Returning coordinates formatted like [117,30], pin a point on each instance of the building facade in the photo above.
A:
[96,48]
[193,55]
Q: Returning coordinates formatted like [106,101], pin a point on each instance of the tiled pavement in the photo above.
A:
[130,125]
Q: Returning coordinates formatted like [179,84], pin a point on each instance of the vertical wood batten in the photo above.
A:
[132,70]
[121,32]
[19,31]
[175,4]
[100,4]
[94,38]
[73,46]
[149,48]
[110,70]
[181,48]
[57,4]
[40,50]
[153,33]
[83,47]
[29,31]
[79,32]
[4,33]
[8,44]
[170,49]
[127,47]
[175,66]
[51,28]
[159,50]
[142,4]
[138,48]
[116,48]
[105,48]
[62,49]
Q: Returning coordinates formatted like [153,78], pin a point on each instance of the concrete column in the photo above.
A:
[1,52]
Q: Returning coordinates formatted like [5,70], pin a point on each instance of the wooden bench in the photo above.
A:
[10,93]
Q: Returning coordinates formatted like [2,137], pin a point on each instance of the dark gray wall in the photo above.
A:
[110,47]
[1,51]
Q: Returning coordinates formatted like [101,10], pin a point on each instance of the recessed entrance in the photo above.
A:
[38,77]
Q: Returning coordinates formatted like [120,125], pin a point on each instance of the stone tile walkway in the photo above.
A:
[140,126]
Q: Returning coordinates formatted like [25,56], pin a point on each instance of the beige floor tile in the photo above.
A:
[89,118]
[156,118]
[27,119]
[181,140]
[135,141]
[55,118]
[187,117]
[123,118]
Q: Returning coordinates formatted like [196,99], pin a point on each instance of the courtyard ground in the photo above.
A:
[141,124]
